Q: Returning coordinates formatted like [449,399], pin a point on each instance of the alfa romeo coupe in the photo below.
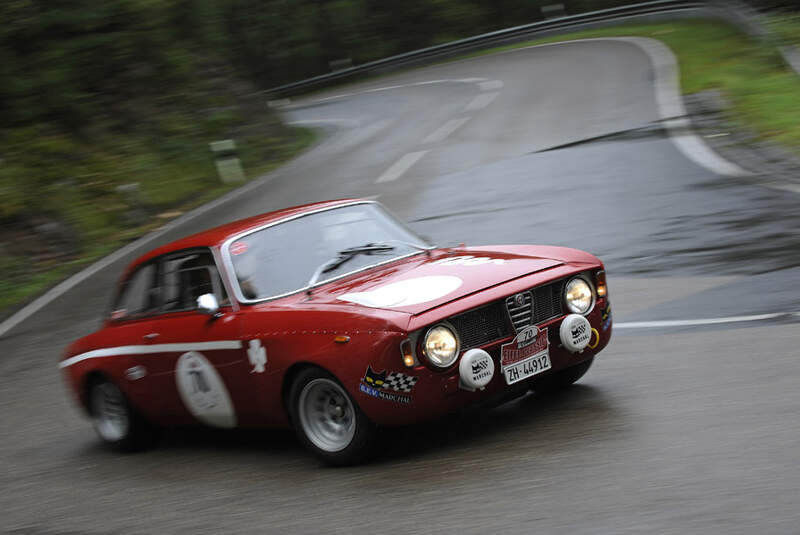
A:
[334,319]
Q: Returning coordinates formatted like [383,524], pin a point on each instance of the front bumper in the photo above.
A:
[437,393]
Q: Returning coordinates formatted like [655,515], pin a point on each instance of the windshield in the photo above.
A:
[283,258]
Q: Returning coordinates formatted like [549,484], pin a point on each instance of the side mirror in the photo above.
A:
[208,304]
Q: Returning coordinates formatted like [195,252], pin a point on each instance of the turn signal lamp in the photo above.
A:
[408,354]
[602,289]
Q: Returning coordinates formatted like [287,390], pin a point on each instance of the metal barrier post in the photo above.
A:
[228,166]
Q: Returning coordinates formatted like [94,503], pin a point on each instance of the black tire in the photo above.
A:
[561,379]
[327,419]
[117,423]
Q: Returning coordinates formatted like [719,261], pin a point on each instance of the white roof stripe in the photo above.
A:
[151,348]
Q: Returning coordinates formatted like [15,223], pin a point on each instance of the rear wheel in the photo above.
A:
[562,378]
[327,420]
[118,424]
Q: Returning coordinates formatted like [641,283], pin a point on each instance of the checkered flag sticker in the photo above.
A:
[399,382]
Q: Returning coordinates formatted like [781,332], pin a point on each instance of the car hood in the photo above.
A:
[422,282]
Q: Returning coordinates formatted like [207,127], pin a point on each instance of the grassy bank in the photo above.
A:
[786,28]
[69,196]
[85,217]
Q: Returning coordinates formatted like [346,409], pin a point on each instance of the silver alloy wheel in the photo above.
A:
[110,412]
[327,415]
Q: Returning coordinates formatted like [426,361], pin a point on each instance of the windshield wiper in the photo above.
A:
[418,247]
[345,255]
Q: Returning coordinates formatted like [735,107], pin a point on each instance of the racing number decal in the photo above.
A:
[203,392]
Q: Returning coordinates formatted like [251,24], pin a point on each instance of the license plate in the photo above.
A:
[526,355]
[527,368]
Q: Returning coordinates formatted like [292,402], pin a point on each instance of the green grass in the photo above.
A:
[786,27]
[764,93]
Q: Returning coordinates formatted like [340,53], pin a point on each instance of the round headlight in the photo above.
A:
[578,295]
[441,346]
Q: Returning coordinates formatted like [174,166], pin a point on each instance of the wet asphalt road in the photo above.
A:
[680,430]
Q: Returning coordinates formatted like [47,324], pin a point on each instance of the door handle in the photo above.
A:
[151,336]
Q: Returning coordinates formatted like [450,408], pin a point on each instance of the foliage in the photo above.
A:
[107,110]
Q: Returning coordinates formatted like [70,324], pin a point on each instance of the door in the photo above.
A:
[198,361]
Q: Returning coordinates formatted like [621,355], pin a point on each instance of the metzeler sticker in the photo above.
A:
[383,385]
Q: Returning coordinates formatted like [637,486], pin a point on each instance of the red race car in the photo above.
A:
[333,318]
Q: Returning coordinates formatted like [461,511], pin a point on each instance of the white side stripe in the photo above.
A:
[149,349]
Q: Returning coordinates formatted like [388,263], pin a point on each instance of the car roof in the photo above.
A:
[214,237]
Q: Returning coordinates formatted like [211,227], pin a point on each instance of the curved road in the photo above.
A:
[675,430]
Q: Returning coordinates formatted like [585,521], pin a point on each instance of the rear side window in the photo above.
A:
[139,296]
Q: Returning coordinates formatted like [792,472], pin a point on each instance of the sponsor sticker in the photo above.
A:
[575,333]
[476,369]
[257,356]
[388,386]
[238,247]
[528,342]
[480,370]
[605,316]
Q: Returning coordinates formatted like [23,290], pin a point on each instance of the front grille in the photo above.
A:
[547,301]
[520,310]
[482,325]
[492,322]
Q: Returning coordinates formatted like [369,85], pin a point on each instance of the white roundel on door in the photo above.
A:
[203,392]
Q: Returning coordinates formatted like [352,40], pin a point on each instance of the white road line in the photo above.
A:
[705,321]
[789,186]
[445,130]
[401,166]
[481,101]
[491,85]
[392,87]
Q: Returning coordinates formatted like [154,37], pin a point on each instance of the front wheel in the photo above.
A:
[327,420]
[119,425]
[562,378]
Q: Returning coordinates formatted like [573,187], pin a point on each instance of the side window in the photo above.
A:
[139,295]
[187,276]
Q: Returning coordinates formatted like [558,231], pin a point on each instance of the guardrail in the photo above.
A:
[658,8]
